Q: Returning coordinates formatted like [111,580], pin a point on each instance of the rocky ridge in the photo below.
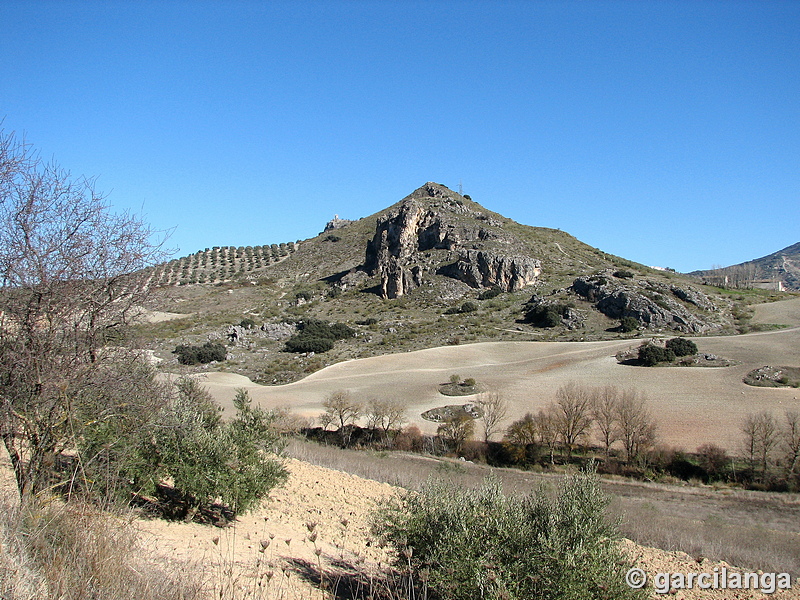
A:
[779,270]
[434,231]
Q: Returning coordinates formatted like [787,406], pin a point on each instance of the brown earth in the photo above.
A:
[338,504]
[692,405]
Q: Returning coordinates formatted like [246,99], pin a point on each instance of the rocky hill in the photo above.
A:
[779,270]
[435,268]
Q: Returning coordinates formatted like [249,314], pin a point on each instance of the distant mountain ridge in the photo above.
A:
[779,270]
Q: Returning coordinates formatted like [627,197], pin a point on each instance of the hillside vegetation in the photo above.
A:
[434,269]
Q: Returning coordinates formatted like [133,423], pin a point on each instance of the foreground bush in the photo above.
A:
[186,443]
[468,544]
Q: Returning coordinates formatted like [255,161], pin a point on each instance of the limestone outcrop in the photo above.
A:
[654,305]
[433,226]
[484,269]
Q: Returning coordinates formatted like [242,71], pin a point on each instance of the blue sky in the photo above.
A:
[664,132]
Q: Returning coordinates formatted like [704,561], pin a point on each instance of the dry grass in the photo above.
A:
[75,552]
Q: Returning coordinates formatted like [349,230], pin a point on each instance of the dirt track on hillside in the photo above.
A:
[692,405]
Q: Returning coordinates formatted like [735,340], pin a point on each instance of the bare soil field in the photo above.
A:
[342,556]
[692,405]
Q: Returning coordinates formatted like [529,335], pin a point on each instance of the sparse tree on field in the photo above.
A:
[71,278]
[573,410]
[713,459]
[791,442]
[523,431]
[549,430]
[637,429]
[325,419]
[760,437]
[494,408]
[344,410]
[386,414]
[604,412]
[456,431]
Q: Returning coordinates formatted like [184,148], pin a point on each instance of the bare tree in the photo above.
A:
[71,278]
[386,414]
[604,412]
[573,409]
[760,437]
[637,429]
[791,442]
[325,419]
[343,410]
[494,408]
[548,428]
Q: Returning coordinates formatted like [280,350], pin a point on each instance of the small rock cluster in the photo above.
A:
[654,305]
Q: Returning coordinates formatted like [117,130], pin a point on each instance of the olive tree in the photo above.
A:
[72,276]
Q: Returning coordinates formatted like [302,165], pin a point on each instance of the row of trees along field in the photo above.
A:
[616,418]
[220,263]
[614,426]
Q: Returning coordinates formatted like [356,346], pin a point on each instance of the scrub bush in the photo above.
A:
[478,543]
[682,346]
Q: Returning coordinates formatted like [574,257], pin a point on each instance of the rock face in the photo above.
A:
[653,304]
[483,269]
[434,218]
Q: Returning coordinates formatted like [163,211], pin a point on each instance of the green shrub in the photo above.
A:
[628,324]
[468,307]
[650,355]
[186,443]
[317,335]
[247,323]
[490,293]
[682,346]
[464,308]
[479,543]
[546,315]
[193,355]
[623,274]
[308,343]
